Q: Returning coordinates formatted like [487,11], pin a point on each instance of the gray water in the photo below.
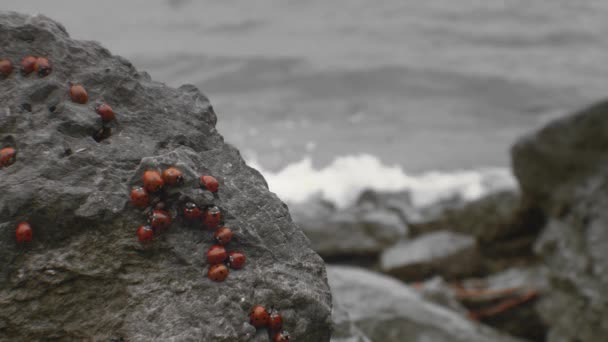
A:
[427,85]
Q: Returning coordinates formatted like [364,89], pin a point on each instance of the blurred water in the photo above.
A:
[424,85]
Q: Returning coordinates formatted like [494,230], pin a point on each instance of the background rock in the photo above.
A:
[85,275]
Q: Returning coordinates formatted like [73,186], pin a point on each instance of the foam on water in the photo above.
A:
[347,176]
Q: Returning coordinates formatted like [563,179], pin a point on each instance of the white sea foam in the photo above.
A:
[347,176]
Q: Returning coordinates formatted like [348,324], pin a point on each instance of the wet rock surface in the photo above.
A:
[370,306]
[564,168]
[85,275]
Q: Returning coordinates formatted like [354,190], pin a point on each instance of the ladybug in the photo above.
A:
[42,66]
[258,317]
[173,176]
[152,181]
[79,94]
[105,112]
[6,67]
[192,212]
[145,234]
[212,216]
[223,235]
[275,322]
[218,272]
[139,197]
[8,155]
[23,233]
[28,64]
[282,336]
[216,254]
[209,183]
[236,260]
[160,219]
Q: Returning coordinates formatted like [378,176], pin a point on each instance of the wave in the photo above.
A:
[346,177]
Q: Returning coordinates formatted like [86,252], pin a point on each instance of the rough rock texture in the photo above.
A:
[448,254]
[85,275]
[564,168]
[372,306]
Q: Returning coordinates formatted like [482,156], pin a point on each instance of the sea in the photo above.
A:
[327,98]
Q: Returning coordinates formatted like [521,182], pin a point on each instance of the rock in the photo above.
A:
[85,276]
[564,169]
[384,309]
[445,253]
[354,231]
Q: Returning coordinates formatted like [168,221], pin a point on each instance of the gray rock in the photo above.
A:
[564,168]
[384,309]
[85,276]
[448,254]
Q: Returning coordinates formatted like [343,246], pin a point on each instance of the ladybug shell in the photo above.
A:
[42,66]
[152,181]
[223,235]
[209,183]
[139,197]
[6,67]
[258,317]
[192,212]
[105,112]
[212,217]
[172,176]
[275,322]
[216,254]
[160,219]
[79,94]
[145,234]
[28,64]
[218,272]
[281,336]
[236,260]
[23,233]
[7,156]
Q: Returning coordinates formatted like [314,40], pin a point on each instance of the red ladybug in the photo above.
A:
[236,260]
[42,66]
[160,219]
[275,322]
[258,317]
[282,336]
[153,182]
[192,212]
[223,235]
[23,233]
[173,176]
[105,112]
[8,155]
[28,64]
[79,94]
[216,254]
[218,272]
[145,234]
[139,197]
[209,183]
[6,67]
[212,216]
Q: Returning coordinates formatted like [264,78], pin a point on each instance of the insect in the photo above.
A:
[258,317]
[24,233]
[236,260]
[139,197]
[216,254]
[209,183]
[212,217]
[8,156]
[28,64]
[152,180]
[160,219]
[42,66]
[173,176]
[105,112]
[6,67]
[223,235]
[282,336]
[145,234]
[218,272]
[79,94]
[275,322]
[192,211]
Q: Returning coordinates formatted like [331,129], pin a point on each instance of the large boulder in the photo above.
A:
[85,276]
[564,168]
[374,307]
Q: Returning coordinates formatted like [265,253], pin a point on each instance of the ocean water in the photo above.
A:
[334,96]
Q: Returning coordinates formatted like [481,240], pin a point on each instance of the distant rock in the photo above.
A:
[444,253]
[85,276]
[563,168]
[372,307]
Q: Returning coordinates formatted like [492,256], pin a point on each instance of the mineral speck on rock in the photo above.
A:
[85,276]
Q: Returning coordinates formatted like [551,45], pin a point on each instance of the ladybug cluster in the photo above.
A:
[259,317]
[152,198]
